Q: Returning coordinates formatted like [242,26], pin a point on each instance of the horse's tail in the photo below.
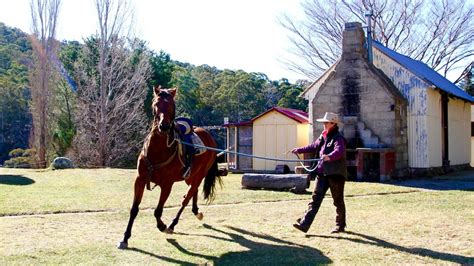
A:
[213,175]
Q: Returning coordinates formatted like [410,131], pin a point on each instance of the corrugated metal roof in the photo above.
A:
[424,72]
[297,115]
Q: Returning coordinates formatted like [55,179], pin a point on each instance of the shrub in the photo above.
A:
[20,158]
[18,162]
[16,153]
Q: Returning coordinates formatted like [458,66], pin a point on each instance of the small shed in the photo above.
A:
[270,134]
[277,131]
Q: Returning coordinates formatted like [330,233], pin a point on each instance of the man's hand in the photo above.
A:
[325,157]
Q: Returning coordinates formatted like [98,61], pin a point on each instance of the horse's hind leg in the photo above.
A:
[138,195]
[192,190]
[195,209]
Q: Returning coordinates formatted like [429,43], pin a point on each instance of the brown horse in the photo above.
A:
[160,163]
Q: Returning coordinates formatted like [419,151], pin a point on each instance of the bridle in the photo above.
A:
[159,116]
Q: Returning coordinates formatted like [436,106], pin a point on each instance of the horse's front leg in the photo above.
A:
[195,208]
[192,190]
[164,194]
[138,195]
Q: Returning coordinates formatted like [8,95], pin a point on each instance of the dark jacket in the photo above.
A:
[335,147]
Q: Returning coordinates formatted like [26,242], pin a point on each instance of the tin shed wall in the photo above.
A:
[424,118]
[273,135]
[459,127]
[435,137]
[472,137]
[415,91]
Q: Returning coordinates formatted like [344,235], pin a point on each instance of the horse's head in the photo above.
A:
[163,108]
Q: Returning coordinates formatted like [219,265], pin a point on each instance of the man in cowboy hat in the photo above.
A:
[331,172]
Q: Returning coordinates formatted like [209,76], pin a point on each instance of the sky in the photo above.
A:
[227,34]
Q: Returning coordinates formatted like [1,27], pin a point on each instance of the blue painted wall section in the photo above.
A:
[413,89]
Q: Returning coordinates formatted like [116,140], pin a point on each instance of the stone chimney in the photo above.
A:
[353,59]
[353,42]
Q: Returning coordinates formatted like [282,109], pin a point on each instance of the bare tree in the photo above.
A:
[438,32]
[44,14]
[112,86]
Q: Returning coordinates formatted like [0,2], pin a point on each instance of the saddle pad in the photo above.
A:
[185,125]
[197,141]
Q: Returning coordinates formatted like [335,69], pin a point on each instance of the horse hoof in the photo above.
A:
[162,227]
[169,231]
[200,216]
[122,245]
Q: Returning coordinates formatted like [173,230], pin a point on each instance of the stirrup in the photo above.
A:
[187,173]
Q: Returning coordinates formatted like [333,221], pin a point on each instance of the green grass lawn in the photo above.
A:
[78,216]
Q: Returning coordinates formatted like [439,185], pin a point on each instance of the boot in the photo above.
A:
[187,165]
[338,229]
[298,226]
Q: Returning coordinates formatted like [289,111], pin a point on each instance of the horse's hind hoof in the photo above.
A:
[122,245]
[199,216]
[169,231]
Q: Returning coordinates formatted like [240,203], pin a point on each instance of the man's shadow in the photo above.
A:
[278,251]
[423,252]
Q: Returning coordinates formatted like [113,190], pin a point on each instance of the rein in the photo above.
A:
[309,170]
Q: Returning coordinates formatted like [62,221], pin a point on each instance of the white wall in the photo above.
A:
[472,138]
[434,127]
[273,135]
[459,127]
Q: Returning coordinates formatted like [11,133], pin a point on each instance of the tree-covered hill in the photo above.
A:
[205,94]
[15,120]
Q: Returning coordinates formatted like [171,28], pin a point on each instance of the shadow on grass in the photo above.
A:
[437,184]
[276,252]
[461,180]
[16,180]
[171,260]
[423,252]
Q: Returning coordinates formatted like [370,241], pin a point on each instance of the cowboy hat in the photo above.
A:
[330,117]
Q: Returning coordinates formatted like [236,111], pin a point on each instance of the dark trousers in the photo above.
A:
[323,183]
